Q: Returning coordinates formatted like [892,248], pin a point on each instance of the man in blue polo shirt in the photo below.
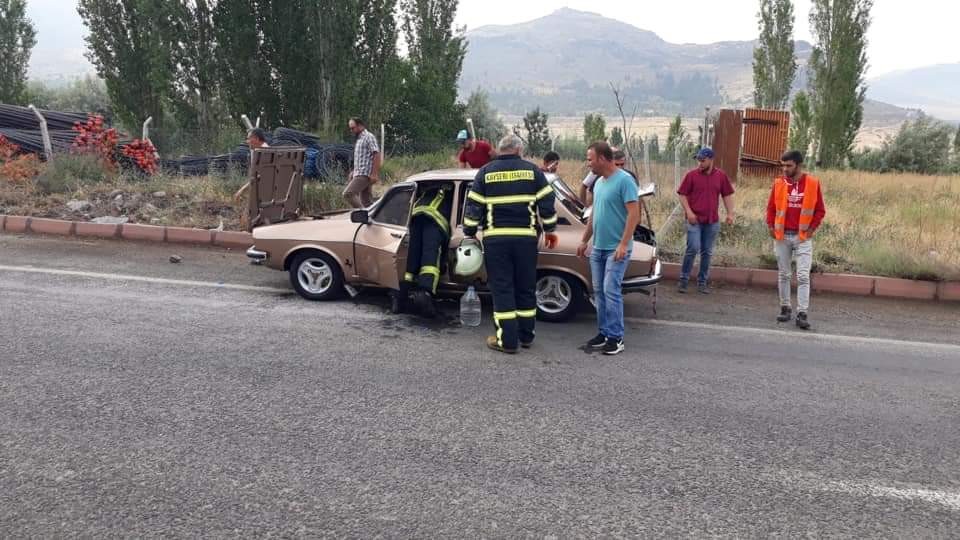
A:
[616,212]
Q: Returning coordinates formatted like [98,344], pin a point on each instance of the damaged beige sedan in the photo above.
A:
[328,254]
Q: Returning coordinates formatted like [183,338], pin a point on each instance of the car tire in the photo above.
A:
[316,276]
[559,296]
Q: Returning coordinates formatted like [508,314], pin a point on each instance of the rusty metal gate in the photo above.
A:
[750,142]
[726,142]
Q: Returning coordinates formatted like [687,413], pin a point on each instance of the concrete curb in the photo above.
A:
[127,231]
[945,291]
[746,277]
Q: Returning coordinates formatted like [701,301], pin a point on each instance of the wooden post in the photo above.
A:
[44,133]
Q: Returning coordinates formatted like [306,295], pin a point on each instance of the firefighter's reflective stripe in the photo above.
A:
[508,176]
[527,313]
[477,197]
[503,199]
[431,271]
[544,192]
[471,222]
[509,231]
[550,220]
[409,277]
[432,210]
[434,215]
[502,316]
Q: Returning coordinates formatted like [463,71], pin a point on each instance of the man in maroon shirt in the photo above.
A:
[794,212]
[700,195]
[474,153]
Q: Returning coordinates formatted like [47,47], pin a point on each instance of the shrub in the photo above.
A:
[69,172]
[322,197]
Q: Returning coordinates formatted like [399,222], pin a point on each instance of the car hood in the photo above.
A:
[335,228]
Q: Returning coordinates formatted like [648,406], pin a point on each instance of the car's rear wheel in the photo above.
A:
[316,276]
[559,296]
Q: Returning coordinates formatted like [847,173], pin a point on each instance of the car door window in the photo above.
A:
[462,201]
[395,209]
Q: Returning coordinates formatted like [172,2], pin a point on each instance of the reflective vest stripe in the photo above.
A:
[527,314]
[544,192]
[504,315]
[550,220]
[470,222]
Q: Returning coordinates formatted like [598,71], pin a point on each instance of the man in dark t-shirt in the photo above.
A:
[474,153]
[700,195]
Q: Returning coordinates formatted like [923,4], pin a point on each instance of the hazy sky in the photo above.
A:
[904,34]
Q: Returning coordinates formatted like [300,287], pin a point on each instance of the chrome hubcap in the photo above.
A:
[553,294]
[315,276]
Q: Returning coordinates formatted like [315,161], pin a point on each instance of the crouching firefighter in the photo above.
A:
[505,200]
[429,241]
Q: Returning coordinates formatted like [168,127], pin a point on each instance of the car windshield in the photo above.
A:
[567,198]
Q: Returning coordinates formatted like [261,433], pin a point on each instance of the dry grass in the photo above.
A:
[896,225]
[901,225]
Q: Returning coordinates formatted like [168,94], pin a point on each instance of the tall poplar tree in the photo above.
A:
[774,63]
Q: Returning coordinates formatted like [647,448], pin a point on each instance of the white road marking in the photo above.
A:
[144,279]
[810,336]
[948,499]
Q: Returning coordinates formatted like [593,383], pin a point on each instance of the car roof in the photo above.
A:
[466,175]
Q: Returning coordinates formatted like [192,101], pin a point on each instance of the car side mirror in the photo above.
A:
[360,216]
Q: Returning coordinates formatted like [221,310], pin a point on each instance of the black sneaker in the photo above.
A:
[802,321]
[597,342]
[682,287]
[613,347]
[785,314]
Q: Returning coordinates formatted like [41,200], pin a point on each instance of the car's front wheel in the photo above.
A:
[316,276]
[558,296]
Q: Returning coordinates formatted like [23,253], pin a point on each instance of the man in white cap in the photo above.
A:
[474,153]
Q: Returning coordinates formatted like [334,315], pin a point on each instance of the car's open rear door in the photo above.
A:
[276,185]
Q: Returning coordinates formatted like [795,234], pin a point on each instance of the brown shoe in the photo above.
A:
[492,343]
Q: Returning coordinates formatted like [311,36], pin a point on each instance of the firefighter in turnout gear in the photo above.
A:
[505,201]
[429,241]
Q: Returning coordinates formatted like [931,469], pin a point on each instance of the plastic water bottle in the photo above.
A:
[470,308]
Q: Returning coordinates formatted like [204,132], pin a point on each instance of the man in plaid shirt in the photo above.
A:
[366,166]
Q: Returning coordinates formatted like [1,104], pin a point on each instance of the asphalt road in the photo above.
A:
[140,398]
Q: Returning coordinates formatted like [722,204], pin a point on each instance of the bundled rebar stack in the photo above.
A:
[31,141]
[22,118]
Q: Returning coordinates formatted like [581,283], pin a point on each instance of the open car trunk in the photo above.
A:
[276,185]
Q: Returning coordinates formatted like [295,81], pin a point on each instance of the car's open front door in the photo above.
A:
[380,245]
[276,185]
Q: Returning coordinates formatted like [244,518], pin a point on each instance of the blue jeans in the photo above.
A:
[700,239]
[608,290]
